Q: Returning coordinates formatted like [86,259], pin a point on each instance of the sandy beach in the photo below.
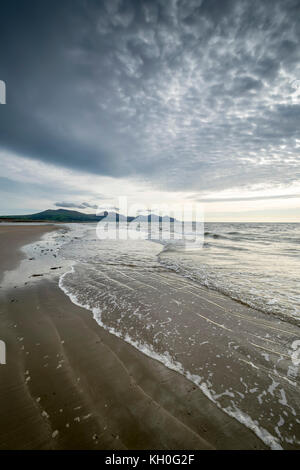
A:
[13,237]
[69,384]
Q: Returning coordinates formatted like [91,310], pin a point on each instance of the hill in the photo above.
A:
[56,215]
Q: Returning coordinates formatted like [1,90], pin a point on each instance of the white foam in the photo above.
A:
[165,358]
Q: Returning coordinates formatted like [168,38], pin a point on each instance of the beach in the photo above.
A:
[69,384]
[150,226]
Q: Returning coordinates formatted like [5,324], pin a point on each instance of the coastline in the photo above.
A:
[69,384]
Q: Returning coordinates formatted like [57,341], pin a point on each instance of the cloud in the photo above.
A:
[107,208]
[193,95]
[83,205]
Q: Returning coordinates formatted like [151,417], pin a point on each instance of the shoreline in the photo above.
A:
[69,384]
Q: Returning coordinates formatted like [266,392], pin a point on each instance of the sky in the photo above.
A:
[177,101]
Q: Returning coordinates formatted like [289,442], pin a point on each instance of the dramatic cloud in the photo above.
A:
[185,95]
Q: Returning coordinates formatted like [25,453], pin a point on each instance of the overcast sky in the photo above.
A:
[185,100]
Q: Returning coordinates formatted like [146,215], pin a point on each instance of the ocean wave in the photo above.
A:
[216,236]
[211,280]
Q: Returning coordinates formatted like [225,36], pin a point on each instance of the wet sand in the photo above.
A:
[13,237]
[69,384]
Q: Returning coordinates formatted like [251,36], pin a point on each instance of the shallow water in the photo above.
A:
[257,264]
[155,298]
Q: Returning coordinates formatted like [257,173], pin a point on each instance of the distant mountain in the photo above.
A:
[61,215]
